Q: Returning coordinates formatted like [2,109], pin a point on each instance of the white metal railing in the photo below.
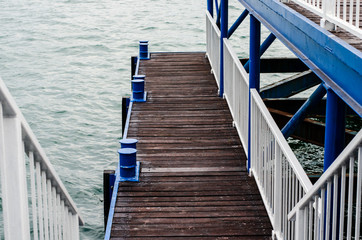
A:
[53,212]
[236,92]
[332,208]
[213,46]
[281,179]
[342,13]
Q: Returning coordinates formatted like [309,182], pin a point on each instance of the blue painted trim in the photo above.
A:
[107,235]
[264,46]
[254,74]
[338,64]
[125,132]
[223,33]
[237,23]
[335,128]
[136,178]
[137,66]
[299,116]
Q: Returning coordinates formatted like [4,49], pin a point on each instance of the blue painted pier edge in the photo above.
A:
[125,142]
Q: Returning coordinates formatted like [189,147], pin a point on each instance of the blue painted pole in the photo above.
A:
[223,33]
[210,7]
[335,128]
[299,116]
[254,74]
[218,16]
[237,23]
[266,44]
[217,7]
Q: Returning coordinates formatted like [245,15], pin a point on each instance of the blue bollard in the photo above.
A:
[127,162]
[128,143]
[144,50]
[138,88]
[138,85]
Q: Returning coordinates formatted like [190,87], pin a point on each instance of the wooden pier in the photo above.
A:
[193,182]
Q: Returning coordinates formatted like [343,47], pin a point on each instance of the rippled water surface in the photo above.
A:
[67,63]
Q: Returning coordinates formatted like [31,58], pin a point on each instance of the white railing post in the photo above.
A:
[13,179]
[278,191]
[329,9]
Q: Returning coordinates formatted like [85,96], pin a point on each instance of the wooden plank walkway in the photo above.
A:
[193,183]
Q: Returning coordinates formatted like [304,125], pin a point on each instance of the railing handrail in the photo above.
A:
[237,62]
[293,161]
[209,44]
[329,173]
[54,213]
[238,112]
[326,13]
[31,144]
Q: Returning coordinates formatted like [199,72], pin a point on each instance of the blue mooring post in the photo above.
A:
[144,54]
[254,74]
[128,164]
[210,7]
[138,88]
[223,34]
[335,128]
[128,143]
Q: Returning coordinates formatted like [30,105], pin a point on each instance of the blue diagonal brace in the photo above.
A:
[266,44]
[299,116]
[218,17]
[217,7]
[237,23]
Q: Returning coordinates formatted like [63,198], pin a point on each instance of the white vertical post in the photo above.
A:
[299,225]
[55,214]
[13,179]
[33,195]
[45,205]
[51,210]
[358,195]
[40,201]
[278,190]
[328,8]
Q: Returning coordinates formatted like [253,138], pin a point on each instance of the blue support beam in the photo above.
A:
[254,74]
[290,86]
[223,33]
[335,128]
[335,62]
[210,7]
[237,23]
[299,116]
[266,44]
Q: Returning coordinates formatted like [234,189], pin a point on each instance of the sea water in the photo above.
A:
[67,64]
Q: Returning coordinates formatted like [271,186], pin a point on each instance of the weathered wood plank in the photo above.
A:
[193,183]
